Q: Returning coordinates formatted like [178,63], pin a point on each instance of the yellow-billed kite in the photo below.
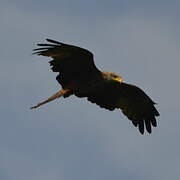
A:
[79,76]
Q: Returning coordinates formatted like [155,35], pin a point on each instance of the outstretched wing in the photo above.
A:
[137,106]
[133,102]
[73,63]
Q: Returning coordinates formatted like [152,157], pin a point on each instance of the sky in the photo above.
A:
[72,138]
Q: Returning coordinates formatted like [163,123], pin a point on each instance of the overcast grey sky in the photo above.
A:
[72,139]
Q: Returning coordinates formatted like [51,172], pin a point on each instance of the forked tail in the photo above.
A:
[54,96]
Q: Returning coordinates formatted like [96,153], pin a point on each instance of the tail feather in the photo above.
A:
[53,97]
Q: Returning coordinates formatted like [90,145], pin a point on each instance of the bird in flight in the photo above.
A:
[78,75]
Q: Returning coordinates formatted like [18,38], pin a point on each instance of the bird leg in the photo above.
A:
[54,96]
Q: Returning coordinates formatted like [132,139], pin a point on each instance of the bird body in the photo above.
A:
[79,76]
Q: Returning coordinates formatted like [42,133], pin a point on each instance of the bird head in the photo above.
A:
[113,76]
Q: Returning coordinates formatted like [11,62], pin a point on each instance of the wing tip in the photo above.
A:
[141,127]
[53,41]
[145,124]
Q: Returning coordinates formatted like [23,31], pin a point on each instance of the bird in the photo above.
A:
[79,76]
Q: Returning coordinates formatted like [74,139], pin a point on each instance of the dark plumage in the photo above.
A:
[78,75]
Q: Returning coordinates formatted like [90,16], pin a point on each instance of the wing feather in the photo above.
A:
[138,107]
[133,102]
[73,63]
